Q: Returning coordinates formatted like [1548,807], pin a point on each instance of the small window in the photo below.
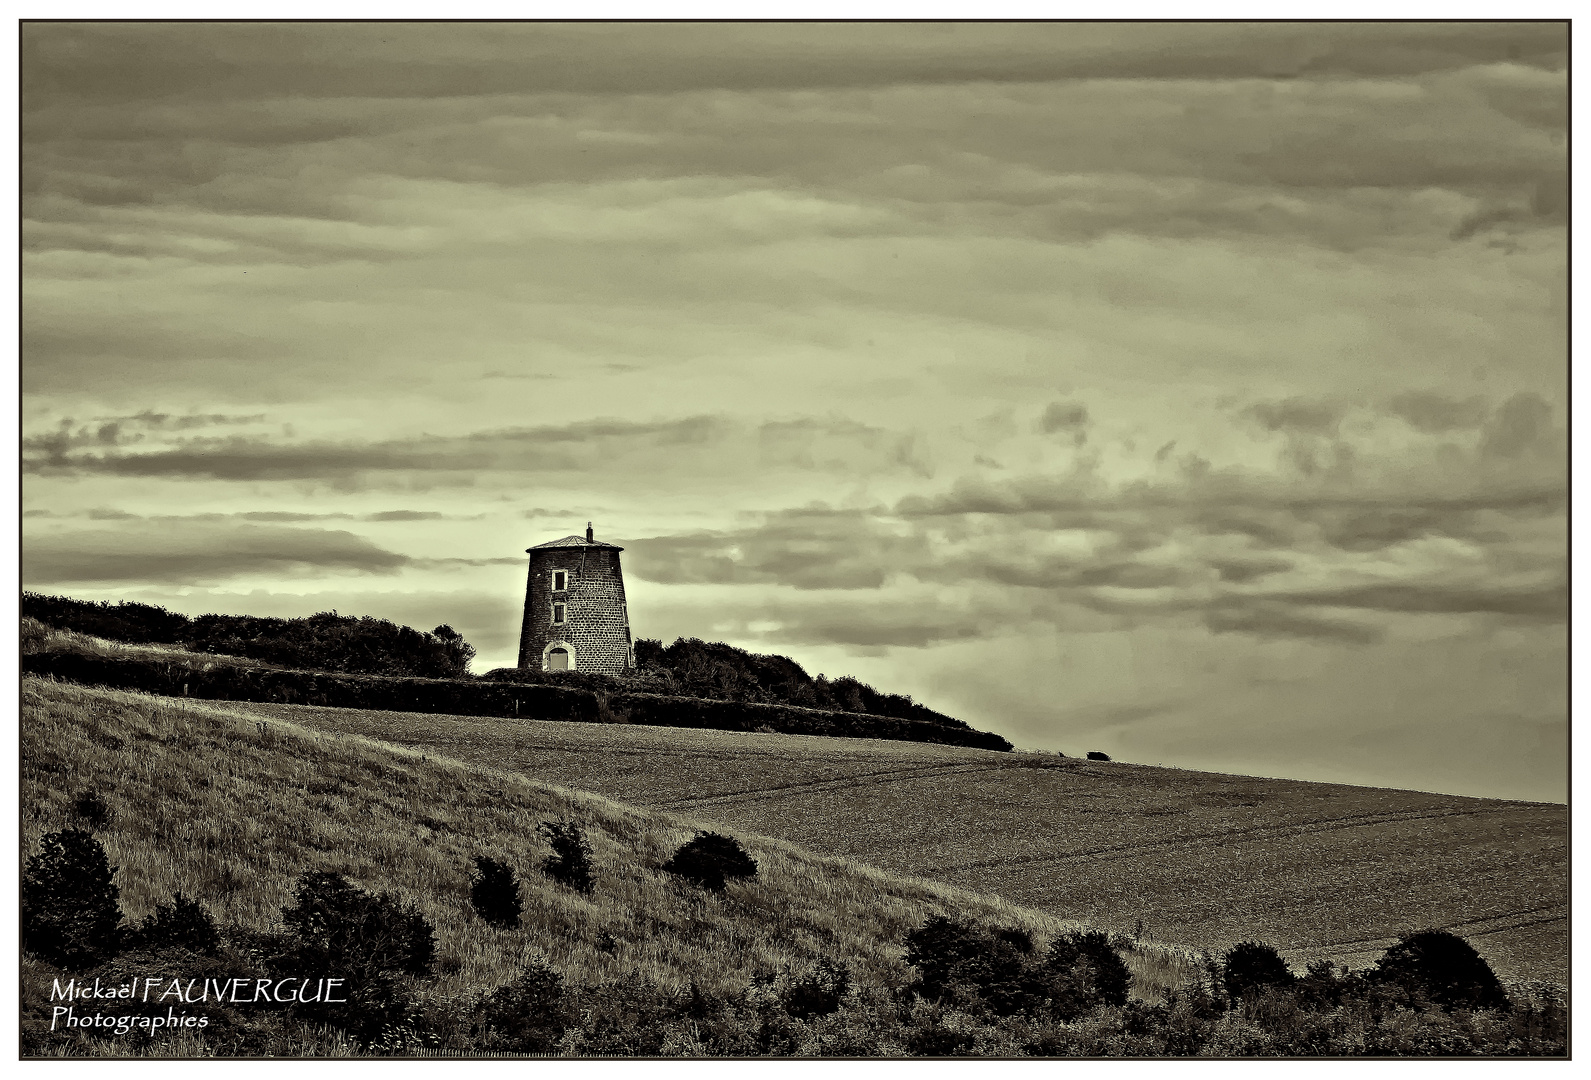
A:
[557,613]
[560,580]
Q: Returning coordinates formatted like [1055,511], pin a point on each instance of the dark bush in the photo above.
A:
[126,621]
[1445,967]
[709,859]
[324,642]
[968,966]
[455,650]
[1250,966]
[1108,979]
[91,809]
[71,911]
[818,991]
[185,923]
[1320,987]
[331,642]
[716,671]
[494,892]
[932,1040]
[570,861]
[364,931]
[627,1017]
[369,940]
[529,1015]
[1095,755]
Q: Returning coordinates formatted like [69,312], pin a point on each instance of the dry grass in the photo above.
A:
[1201,859]
[231,808]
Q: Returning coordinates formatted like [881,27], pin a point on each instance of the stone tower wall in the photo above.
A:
[596,624]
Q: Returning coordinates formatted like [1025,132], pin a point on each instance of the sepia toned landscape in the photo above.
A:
[760,539]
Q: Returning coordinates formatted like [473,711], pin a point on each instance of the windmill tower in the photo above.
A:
[575,614]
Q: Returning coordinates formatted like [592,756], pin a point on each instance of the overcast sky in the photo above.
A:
[1195,393]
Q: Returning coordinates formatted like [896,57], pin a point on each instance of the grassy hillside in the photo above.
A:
[1202,859]
[214,802]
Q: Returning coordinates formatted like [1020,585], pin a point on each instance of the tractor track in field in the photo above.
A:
[1349,946]
[1226,836]
[836,783]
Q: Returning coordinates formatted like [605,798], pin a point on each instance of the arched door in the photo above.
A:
[558,660]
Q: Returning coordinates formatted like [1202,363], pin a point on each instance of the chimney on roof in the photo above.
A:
[589,536]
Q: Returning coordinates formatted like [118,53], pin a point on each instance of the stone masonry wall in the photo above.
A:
[595,623]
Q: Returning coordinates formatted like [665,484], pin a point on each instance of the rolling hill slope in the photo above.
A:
[1204,859]
[213,802]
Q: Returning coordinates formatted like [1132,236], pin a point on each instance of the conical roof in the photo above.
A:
[574,542]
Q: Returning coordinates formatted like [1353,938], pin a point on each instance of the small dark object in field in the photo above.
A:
[92,809]
[1446,967]
[709,859]
[184,923]
[1250,966]
[71,911]
[494,892]
[1095,755]
[570,861]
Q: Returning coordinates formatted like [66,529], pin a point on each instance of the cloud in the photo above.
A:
[1298,415]
[584,444]
[1066,416]
[405,515]
[1519,424]
[813,548]
[268,61]
[1543,603]
[198,554]
[640,452]
[1433,413]
[1273,620]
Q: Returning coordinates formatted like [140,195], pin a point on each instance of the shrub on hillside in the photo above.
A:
[1095,755]
[817,991]
[346,925]
[1251,966]
[71,910]
[1070,958]
[967,966]
[528,1015]
[370,941]
[709,859]
[1445,967]
[494,892]
[91,809]
[570,861]
[185,923]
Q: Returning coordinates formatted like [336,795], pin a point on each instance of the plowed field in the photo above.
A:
[1202,859]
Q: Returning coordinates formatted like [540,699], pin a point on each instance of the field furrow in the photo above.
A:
[1200,859]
